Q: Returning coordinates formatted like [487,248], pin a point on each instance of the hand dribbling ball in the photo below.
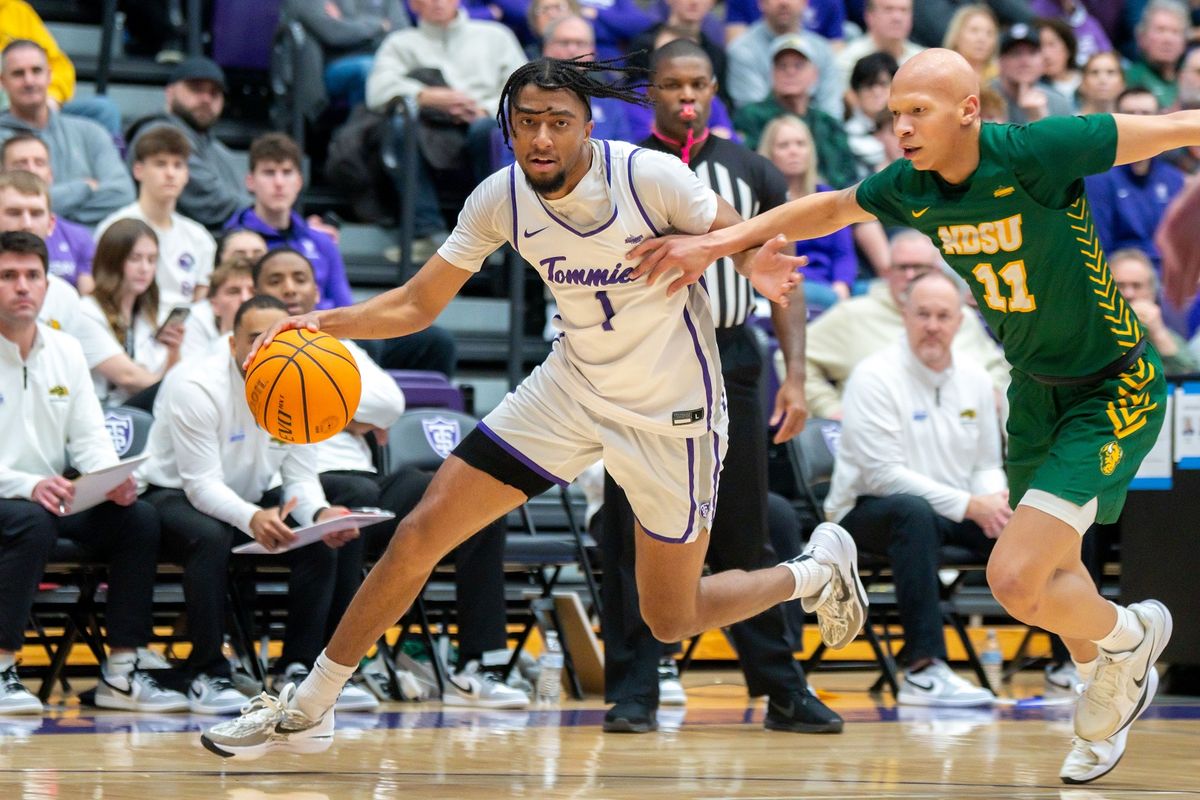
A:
[303,387]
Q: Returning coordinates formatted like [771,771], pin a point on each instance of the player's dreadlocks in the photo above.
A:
[584,78]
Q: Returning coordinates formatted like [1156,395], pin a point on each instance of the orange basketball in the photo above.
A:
[303,387]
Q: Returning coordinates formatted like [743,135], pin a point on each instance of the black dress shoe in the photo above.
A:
[801,712]
[631,716]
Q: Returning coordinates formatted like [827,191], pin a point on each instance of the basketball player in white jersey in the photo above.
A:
[633,378]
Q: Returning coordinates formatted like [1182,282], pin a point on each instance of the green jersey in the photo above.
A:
[1020,233]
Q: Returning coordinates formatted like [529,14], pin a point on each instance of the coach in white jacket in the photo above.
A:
[918,467]
[210,474]
[48,409]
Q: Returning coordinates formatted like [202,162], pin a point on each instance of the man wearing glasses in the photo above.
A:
[855,328]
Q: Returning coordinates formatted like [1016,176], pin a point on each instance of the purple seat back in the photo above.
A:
[243,32]
[427,389]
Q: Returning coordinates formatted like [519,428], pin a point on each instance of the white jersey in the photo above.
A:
[626,351]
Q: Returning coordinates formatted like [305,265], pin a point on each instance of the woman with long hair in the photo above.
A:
[832,265]
[1059,52]
[125,303]
[974,33]
[1102,82]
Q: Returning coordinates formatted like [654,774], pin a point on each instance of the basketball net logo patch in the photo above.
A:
[443,435]
[1110,456]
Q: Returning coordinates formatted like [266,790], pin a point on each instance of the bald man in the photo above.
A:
[1007,208]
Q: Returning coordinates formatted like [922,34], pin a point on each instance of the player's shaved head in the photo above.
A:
[938,71]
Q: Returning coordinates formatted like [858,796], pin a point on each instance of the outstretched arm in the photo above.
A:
[1142,137]
[806,218]
[397,312]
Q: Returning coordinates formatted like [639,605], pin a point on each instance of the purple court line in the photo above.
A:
[513,720]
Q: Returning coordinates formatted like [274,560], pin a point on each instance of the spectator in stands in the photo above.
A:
[1161,39]
[240,243]
[690,16]
[347,34]
[25,206]
[919,467]
[479,572]
[185,248]
[616,22]
[889,22]
[752,63]
[195,98]
[209,474]
[275,181]
[794,74]
[541,13]
[456,97]
[854,329]
[1021,66]
[1187,80]
[870,83]
[211,319]
[1128,202]
[930,17]
[1089,34]
[832,264]
[70,245]
[90,180]
[55,415]
[826,18]
[974,33]
[126,303]
[1102,82]
[18,20]
[1059,53]
[1135,277]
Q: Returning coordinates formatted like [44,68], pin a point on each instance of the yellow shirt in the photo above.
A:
[18,20]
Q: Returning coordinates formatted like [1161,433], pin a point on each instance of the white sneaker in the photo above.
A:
[151,659]
[1063,678]
[355,698]
[481,688]
[213,694]
[1088,761]
[14,697]
[670,688]
[137,691]
[1120,687]
[267,723]
[841,607]
[938,685]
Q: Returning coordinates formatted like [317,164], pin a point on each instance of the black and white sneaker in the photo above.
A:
[14,697]
[214,694]
[841,606]
[477,687]
[137,691]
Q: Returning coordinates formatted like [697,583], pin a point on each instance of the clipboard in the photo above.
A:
[312,533]
[90,489]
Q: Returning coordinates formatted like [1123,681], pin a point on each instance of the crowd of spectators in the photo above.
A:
[129,215]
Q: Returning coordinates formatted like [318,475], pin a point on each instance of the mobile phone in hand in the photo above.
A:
[178,316]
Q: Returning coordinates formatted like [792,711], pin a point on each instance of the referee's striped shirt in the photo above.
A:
[749,183]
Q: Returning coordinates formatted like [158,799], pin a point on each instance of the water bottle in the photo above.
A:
[550,664]
[992,660]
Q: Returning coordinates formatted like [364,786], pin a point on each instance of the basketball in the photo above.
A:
[303,387]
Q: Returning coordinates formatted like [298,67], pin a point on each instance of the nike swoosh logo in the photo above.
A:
[921,213]
[528,235]
[925,686]
[127,692]
[787,711]
[464,689]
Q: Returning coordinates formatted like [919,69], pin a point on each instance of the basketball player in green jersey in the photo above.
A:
[1005,204]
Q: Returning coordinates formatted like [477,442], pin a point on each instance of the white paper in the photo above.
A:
[1187,426]
[1157,468]
[90,489]
[313,533]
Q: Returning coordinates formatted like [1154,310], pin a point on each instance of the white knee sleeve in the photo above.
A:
[1078,517]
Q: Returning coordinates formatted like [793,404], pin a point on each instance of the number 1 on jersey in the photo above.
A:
[1013,274]
[609,313]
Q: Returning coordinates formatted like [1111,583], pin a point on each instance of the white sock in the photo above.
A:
[810,576]
[120,664]
[320,690]
[1086,668]
[7,660]
[1125,635]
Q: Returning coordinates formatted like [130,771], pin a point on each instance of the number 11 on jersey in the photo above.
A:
[609,312]
[1013,274]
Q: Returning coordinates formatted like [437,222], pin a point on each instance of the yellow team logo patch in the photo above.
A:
[59,391]
[1110,456]
[55,324]
[1003,191]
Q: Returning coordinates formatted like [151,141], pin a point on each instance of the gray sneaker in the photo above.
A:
[1120,688]
[841,607]
[14,697]
[137,691]
[267,724]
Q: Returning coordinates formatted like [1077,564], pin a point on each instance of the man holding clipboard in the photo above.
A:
[48,407]
[210,473]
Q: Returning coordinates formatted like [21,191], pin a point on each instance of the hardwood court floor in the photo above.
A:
[720,750]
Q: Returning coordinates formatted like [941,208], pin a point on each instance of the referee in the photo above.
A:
[682,88]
